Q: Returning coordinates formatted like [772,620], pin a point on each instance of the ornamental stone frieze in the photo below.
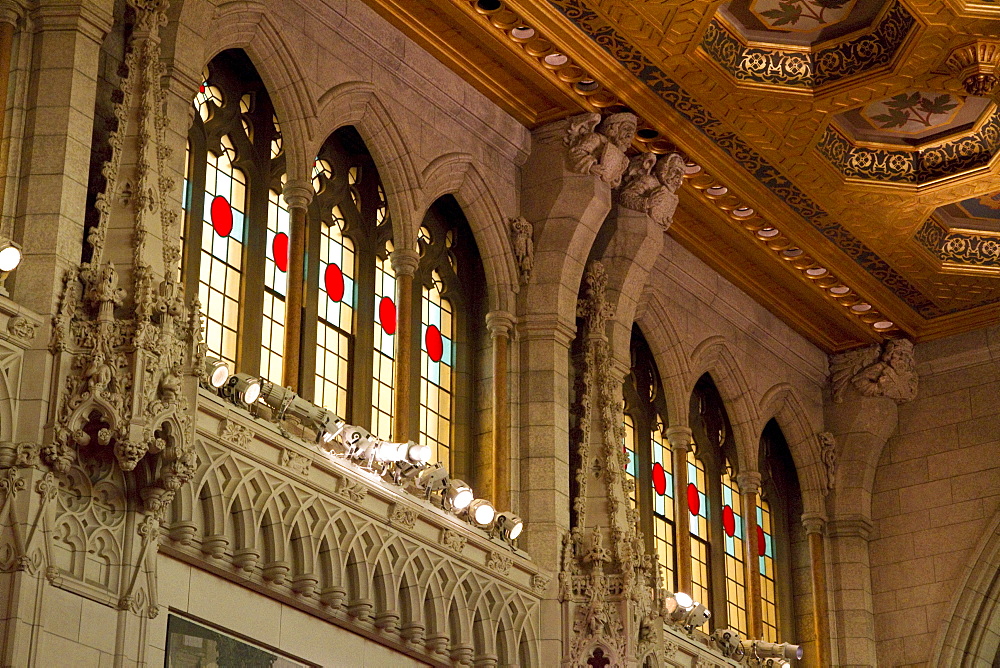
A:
[347,547]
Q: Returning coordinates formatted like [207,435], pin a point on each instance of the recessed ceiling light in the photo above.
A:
[717,190]
[743,212]
[816,272]
[861,307]
[586,85]
[523,32]
[692,168]
[792,252]
[884,324]
[768,232]
[840,289]
[556,59]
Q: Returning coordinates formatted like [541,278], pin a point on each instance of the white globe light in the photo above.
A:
[419,453]
[516,530]
[10,257]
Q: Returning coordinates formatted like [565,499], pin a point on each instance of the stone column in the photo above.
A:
[8,20]
[749,484]
[852,597]
[500,324]
[404,265]
[817,567]
[297,195]
[680,440]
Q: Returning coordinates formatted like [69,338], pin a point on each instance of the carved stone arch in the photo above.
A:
[301,548]
[527,652]
[435,604]
[629,255]
[486,609]
[241,518]
[357,103]
[782,403]
[211,518]
[459,623]
[650,660]
[712,356]
[456,174]
[506,635]
[6,404]
[385,576]
[69,546]
[654,319]
[968,634]
[271,536]
[102,559]
[251,27]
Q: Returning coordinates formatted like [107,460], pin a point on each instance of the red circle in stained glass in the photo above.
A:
[729,521]
[333,278]
[761,542]
[434,342]
[222,216]
[659,479]
[387,315]
[694,501]
[280,248]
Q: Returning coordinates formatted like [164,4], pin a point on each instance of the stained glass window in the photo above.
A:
[628,446]
[335,325]
[223,234]
[733,530]
[207,97]
[384,354]
[663,503]
[272,337]
[697,502]
[765,548]
[437,363]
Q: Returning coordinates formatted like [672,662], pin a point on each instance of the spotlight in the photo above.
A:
[359,444]
[481,512]
[457,496]
[433,479]
[418,453]
[241,388]
[284,402]
[772,650]
[10,257]
[388,452]
[728,642]
[509,526]
[696,617]
[216,370]
[679,605]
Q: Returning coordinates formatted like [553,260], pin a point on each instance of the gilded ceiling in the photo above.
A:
[844,150]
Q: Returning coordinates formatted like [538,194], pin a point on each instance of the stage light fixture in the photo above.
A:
[457,495]
[284,402]
[217,371]
[241,388]
[678,606]
[728,642]
[481,513]
[359,445]
[509,526]
[10,257]
[772,650]
[433,479]
[418,453]
[696,616]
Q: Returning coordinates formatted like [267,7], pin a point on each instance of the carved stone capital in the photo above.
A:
[813,522]
[976,65]
[297,194]
[748,482]
[404,261]
[680,437]
[500,324]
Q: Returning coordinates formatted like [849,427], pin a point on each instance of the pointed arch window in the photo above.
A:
[237,251]
[733,536]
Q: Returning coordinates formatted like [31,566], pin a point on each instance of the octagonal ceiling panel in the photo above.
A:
[799,22]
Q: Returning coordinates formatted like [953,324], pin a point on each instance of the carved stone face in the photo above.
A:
[670,171]
[620,129]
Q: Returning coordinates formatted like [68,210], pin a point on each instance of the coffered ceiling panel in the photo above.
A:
[855,141]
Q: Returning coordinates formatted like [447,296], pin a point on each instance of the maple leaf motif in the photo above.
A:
[939,105]
[787,13]
[902,101]
[896,118]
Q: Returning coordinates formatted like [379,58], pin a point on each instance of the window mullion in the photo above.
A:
[252,290]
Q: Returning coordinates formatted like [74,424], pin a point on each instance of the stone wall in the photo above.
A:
[936,498]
